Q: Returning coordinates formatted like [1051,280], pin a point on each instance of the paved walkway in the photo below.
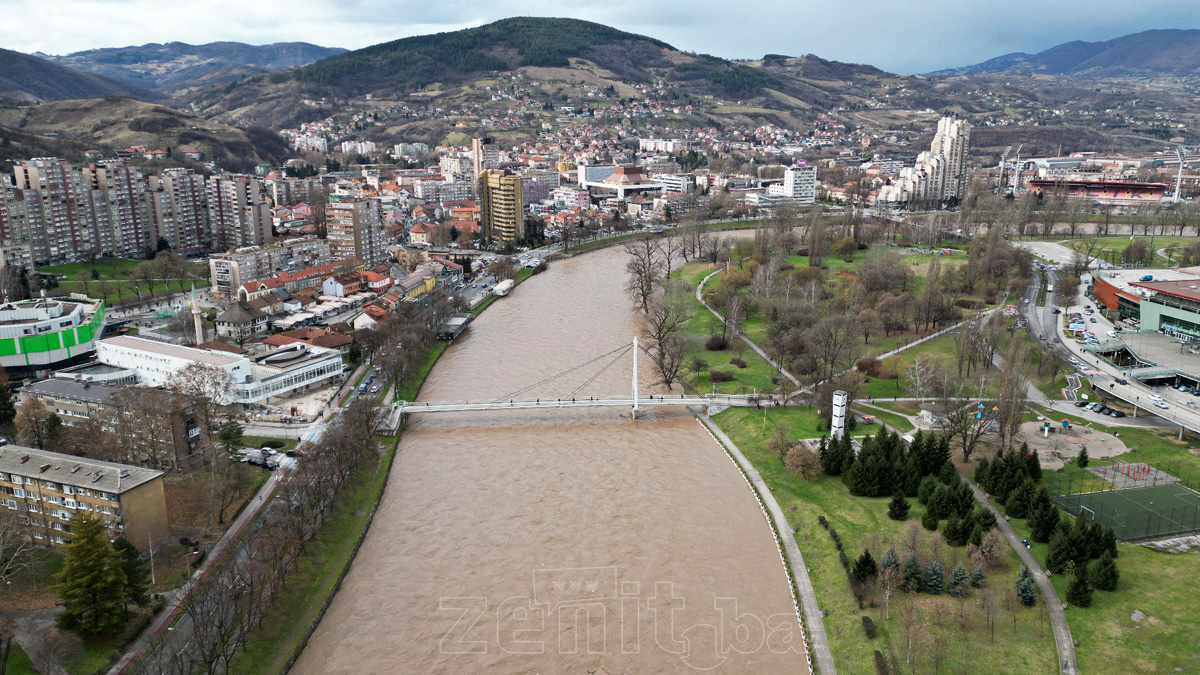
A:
[814,626]
[1058,618]
[758,350]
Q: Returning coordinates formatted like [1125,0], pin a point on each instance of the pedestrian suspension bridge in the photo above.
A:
[521,400]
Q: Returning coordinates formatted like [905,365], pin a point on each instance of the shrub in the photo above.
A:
[869,367]
[738,361]
[273,443]
[716,343]
[715,375]
[869,627]
[889,372]
[881,664]
[845,561]
[824,523]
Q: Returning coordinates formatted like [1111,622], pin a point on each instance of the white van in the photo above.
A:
[1112,333]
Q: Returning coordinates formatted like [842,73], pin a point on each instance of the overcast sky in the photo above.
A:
[907,36]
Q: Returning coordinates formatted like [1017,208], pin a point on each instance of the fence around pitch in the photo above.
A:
[1130,512]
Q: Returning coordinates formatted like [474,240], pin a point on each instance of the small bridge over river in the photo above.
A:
[392,419]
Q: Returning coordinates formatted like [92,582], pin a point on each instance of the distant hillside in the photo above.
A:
[1152,52]
[70,128]
[445,67]
[29,78]
[178,66]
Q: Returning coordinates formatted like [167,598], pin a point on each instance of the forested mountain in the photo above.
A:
[178,66]
[1152,52]
[29,78]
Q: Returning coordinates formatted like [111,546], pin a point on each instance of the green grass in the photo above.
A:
[321,564]
[1162,585]
[1028,649]
[18,662]
[940,348]
[95,655]
[409,389]
[1111,247]
[897,422]
[114,285]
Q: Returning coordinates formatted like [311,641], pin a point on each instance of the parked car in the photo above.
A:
[1117,413]
[267,452]
[1080,404]
[1093,319]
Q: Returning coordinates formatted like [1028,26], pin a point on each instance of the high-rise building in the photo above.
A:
[117,192]
[502,206]
[238,212]
[950,143]
[59,225]
[485,155]
[799,185]
[178,209]
[356,231]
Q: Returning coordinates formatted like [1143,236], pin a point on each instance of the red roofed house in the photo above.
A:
[315,337]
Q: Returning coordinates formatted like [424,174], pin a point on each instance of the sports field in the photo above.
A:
[1139,513]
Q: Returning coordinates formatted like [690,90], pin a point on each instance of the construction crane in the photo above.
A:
[1017,171]
[1181,153]
[1003,159]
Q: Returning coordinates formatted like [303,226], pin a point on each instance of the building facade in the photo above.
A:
[355,230]
[229,271]
[48,489]
[238,212]
[178,210]
[503,207]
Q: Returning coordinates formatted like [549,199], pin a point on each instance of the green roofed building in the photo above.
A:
[49,333]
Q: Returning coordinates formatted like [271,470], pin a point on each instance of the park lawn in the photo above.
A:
[940,348]
[1161,585]
[318,572]
[897,422]
[1027,649]
[757,376]
[694,272]
[903,407]
[19,663]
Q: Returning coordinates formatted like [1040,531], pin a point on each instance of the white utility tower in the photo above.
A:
[838,426]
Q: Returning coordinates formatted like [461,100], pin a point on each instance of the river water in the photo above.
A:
[575,540]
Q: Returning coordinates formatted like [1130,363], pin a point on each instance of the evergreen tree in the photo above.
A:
[1042,523]
[935,576]
[948,474]
[92,583]
[54,431]
[1105,574]
[1110,542]
[8,411]
[981,472]
[1082,461]
[978,578]
[1062,550]
[929,521]
[1079,591]
[826,451]
[954,533]
[1033,467]
[976,536]
[912,581]
[964,500]
[865,569]
[890,560]
[958,584]
[940,502]
[1027,591]
[857,480]
[898,507]
[912,476]
[929,485]
[137,574]
[1017,504]
[983,519]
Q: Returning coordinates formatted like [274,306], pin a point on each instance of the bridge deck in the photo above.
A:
[406,407]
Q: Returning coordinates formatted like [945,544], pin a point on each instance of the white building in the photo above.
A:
[940,173]
[675,183]
[799,185]
[660,145]
[286,371]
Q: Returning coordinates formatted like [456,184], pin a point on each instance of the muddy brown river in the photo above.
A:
[566,541]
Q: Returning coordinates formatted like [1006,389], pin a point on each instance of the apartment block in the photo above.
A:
[59,226]
[355,230]
[117,191]
[502,205]
[238,212]
[178,208]
[229,271]
[47,489]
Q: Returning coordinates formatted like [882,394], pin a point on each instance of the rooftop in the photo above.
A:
[75,471]
[174,351]
[72,389]
[1185,288]
[1127,280]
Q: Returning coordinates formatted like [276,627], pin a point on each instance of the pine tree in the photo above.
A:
[1027,591]
[978,578]
[8,411]
[856,479]
[912,476]
[137,574]
[825,452]
[958,584]
[890,560]
[935,576]
[1060,552]
[1033,467]
[981,472]
[865,569]
[92,583]
[1079,591]
[1042,523]
[1017,504]
[54,431]
[930,520]
[1110,542]
[1082,461]
[953,532]
[948,474]
[912,581]
[898,507]
[1105,574]
[976,536]
[929,485]
[940,502]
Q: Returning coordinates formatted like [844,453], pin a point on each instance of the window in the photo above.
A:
[10,503]
[70,503]
[68,489]
[19,493]
[16,480]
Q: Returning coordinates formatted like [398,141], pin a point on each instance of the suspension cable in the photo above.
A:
[601,371]
[568,371]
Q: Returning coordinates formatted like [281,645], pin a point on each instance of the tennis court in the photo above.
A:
[1138,513]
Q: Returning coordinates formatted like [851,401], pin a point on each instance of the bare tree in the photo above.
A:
[889,581]
[31,422]
[961,418]
[832,343]
[645,268]
[1011,391]
[208,386]
[15,545]
[670,250]
[921,375]
[668,312]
